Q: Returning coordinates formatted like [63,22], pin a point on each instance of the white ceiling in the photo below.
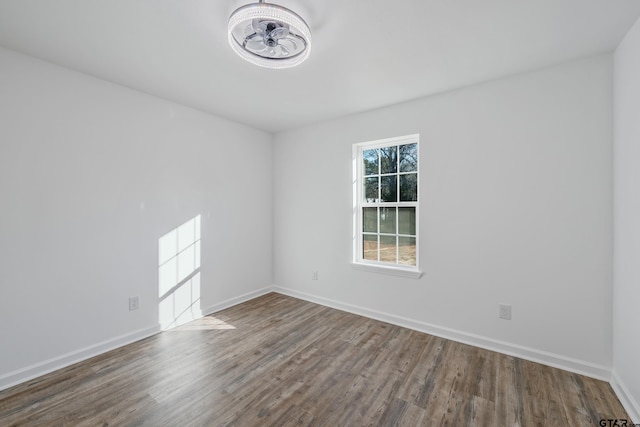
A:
[365,53]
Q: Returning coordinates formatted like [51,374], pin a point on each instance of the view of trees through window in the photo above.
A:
[389,196]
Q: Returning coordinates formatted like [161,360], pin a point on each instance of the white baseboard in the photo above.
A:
[236,300]
[631,405]
[30,372]
[550,359]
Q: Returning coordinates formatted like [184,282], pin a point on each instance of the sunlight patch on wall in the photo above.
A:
[179,275]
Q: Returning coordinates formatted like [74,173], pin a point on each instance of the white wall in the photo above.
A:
[516,208]
[91,176]
[626,288]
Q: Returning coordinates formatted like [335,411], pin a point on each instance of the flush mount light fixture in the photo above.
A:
[269,35]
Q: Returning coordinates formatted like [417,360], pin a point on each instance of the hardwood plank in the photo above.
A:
[280,361]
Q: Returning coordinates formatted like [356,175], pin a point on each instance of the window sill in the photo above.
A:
[383,269]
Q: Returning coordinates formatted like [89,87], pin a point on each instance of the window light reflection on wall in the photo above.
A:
[179,275]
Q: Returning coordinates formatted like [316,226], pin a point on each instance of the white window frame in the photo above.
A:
[358,261]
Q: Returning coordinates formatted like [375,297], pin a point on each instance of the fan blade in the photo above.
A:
[284,50]
[292,45]
[279,33]
[259,26]
[255,45]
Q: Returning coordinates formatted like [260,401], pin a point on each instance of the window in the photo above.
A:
[386,205]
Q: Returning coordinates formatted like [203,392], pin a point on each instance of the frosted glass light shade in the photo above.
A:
[269,35]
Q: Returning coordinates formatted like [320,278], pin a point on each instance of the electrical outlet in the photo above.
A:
[505,311]
[314,275]
[134,303]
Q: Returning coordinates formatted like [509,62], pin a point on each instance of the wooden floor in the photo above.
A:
[280,361]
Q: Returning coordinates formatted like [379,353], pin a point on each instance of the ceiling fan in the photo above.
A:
[269,35]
